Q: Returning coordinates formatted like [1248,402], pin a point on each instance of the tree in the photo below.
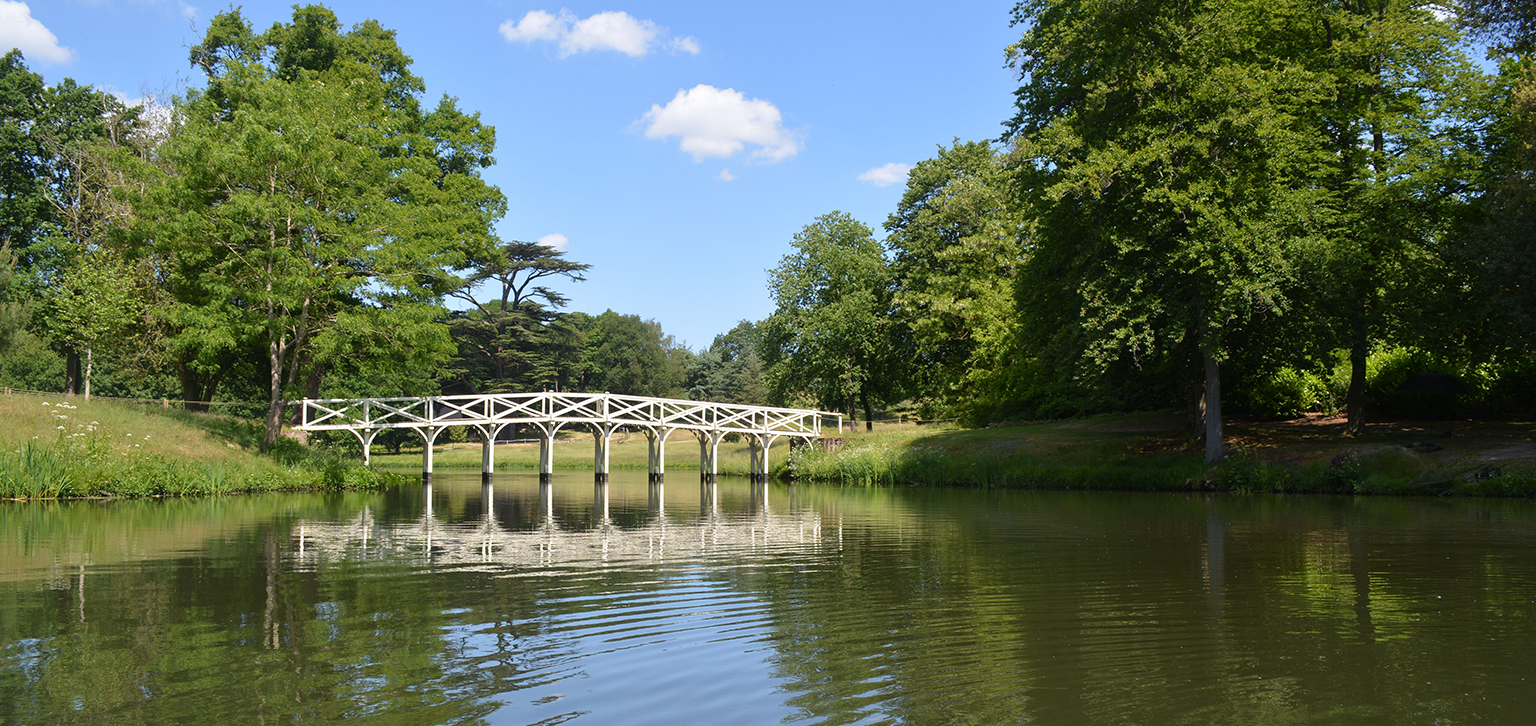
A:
[1495,247]
[502,341]
[1164,152]
[1510,23]
[94,302]
[729,370]
[1396,80]
[24,208]
[832,337]
[311,201]
[13,311]
[956,241]
[56,204]
[624,354]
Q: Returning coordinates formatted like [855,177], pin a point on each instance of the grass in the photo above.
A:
[1150,452]
[57,447]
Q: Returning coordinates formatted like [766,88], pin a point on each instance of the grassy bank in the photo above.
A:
[1150,452]
[58,447]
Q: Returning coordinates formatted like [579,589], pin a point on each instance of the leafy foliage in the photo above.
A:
[312,205]
[833,339]
[957,241]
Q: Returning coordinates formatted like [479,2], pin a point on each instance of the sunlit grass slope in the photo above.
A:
[56,446]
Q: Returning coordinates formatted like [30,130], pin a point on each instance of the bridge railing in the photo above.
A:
[497,409]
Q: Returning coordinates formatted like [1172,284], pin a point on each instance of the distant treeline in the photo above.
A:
[1302,205]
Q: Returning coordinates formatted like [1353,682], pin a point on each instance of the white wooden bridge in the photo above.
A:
[547,413]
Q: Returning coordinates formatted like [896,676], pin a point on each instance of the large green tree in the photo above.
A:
[1393,121]
[56,205]
[625,354]
[956,241]
[504,339]
[833,338]
[1165,152]
[311,203]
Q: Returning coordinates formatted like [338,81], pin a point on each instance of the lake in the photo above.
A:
[516,603]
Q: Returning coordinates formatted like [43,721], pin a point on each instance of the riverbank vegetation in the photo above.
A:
[1155,452]
[1255,211]
[52,447]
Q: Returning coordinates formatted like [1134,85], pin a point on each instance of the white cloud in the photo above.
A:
[612,30]
[884,176]
[535,25]
[18,29]
[719,123]
[556,241]
[725,175]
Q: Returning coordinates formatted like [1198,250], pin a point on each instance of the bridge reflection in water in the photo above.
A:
[549,540]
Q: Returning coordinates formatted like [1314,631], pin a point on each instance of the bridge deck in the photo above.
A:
[508,408]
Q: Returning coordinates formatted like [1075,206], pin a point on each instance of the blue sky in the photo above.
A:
[676,147]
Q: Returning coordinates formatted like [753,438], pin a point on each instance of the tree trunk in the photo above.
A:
[1195,389]
[869,416]
[86,379]
[311,390]
[71,372]
[1215,445]
[275,403]
[1354,401]
[196,391]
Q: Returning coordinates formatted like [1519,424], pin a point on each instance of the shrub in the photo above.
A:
[1289,393]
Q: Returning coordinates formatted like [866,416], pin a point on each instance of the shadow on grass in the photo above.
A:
[248,434]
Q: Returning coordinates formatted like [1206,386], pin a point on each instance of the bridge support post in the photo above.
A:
[656,453]
[603,433]
[760,444]
[709,454]
[547,431]
[365,437]
[428,436]
[487,450]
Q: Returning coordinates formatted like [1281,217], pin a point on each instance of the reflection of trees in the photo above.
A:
[261,619]
[1117,609]
[906,605]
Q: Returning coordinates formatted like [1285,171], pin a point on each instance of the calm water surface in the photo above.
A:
[629,604]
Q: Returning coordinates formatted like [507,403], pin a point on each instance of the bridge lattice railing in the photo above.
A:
[497,409]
